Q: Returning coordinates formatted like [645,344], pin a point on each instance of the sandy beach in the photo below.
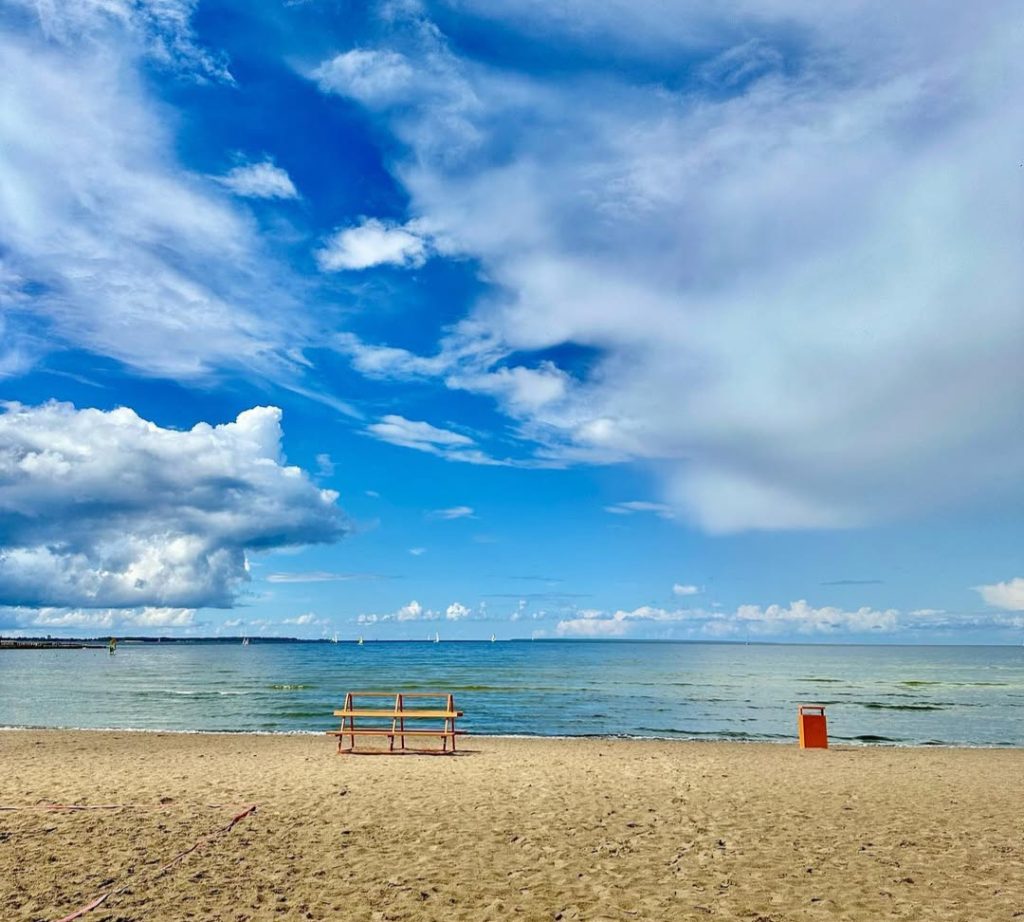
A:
[533,829]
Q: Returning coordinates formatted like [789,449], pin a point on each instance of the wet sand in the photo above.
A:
[528,829]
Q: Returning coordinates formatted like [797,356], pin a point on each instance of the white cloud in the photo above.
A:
[788,282]
[662,510]
[324,465]
[104,509]
[108,244]
[683,589]
[1008,596]
[96,619]
[454,512]
[798,618]
[302,620]
[260,180]
[422,436]
[411,612]
[317,576]
[456,612]
[417,551]
[375,78]
[372,243]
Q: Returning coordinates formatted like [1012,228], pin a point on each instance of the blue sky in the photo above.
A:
[535,319]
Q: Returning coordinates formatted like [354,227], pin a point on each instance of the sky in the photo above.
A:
[536,319]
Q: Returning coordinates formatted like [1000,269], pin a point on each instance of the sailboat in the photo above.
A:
[360,640]
[245,641]
[437,637]
[492,638]
[334,639]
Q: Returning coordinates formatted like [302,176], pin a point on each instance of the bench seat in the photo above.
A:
[380,712]
[392,720]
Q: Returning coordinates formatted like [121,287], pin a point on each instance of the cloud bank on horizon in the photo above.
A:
[765,257]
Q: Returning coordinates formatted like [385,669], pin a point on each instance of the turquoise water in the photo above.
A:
[910,695]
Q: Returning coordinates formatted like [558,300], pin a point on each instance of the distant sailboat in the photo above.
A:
[360,640]
[334,639]
[437,637]
[492,638]
[245,641]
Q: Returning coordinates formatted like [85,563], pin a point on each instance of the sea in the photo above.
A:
[873,695]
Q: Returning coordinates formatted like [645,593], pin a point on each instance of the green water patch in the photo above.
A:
[919,683]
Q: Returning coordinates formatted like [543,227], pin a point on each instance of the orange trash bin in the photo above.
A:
[812,726]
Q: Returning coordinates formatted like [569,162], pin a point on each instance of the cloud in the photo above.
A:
[375,78]
[786,272]
[422,436]
[454,512]
[456,612]
[797,618]
[411,612]
[107,510]
[1008,596]
[318,576]
[417,551]
[260,180]
[325,466]
[109,244]
[100,620]
[304,620]
[662,510]
[680,589]
[372,243]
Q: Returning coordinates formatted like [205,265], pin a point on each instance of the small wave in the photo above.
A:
[917,683]
[821,681]
[281,686]
[881,706]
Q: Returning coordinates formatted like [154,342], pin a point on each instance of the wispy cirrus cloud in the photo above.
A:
[452,513]
[632,507]
[111,245]
[320,576]
[744,369]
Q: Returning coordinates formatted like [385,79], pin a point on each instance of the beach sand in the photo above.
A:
[528,829]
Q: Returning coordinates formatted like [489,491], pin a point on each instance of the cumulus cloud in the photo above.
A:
[774,620]
[260,180]
[456,612]
[105,509]
[372,243]
[788,271]
[1008,596]
[96,619]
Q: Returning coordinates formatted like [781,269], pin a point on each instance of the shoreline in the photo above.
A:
[835,742]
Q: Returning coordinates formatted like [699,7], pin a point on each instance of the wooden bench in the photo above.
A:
[394,718]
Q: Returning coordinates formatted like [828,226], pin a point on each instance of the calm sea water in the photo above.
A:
[910,695]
